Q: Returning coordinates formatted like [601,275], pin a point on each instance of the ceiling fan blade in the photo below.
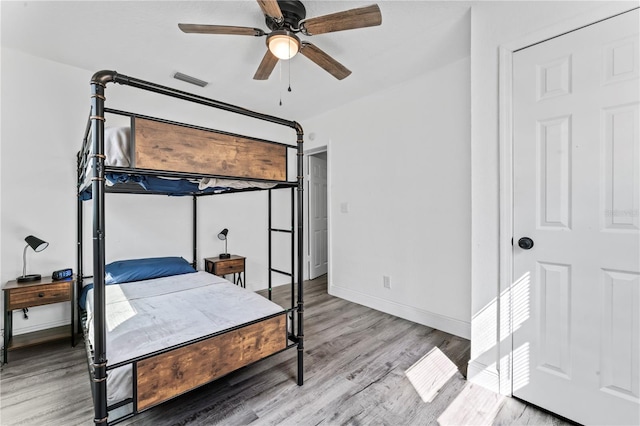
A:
[325,61]
[220,29]
[267,65]
[362,17]
[271,9]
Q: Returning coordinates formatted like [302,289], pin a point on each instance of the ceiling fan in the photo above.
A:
[286,18]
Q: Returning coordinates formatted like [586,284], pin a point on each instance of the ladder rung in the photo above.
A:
[281,272]
[281,230]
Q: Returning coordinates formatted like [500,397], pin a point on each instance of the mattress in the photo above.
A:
[146,316]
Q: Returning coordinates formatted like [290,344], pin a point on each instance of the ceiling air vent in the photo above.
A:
[190,79]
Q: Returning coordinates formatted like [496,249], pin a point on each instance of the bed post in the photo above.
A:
[293,245]
[79,260]
[300,141]
[270,266]
[98,84]
[195,233]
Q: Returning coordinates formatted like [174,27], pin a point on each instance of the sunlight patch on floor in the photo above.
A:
[430,374]
[474,405]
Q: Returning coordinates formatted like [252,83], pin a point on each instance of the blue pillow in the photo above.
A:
[124,271]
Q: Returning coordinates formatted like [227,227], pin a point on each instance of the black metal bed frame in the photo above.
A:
[95,127]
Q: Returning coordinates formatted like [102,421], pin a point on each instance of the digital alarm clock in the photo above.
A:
[62,274]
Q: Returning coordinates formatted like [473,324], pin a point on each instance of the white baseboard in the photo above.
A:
[41,326]
[430,319]
[483,375]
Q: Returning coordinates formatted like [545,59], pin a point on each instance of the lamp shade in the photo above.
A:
[223,236]
[283,44]
[36,243]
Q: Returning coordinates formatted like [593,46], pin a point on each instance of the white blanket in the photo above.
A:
[117,146]
[233,183]
[146,316]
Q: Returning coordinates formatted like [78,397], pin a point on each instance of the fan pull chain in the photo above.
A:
[289,89]
[280,70]
[280,85]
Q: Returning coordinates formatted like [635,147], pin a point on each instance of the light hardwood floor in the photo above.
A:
[359,369]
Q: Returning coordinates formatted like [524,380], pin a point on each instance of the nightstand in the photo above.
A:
[30,294]
[221,267]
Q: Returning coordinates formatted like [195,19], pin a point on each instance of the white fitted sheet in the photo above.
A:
[146,316]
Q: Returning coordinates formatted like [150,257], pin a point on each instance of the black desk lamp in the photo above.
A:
[223,236]
[37,245]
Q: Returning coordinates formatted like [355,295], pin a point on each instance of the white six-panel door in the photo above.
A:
[576,156]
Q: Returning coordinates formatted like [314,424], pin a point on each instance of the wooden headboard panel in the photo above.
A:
[171,147]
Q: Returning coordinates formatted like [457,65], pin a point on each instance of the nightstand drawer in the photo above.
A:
[39,295]
[228,266]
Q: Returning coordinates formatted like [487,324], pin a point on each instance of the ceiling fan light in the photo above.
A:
[283,44]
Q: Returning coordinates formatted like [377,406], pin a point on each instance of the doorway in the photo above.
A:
[318,233]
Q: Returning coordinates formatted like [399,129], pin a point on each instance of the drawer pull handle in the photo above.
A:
[40,294]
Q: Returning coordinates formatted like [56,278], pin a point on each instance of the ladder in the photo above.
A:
[290,231]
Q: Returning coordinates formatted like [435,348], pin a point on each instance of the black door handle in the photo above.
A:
[525,243]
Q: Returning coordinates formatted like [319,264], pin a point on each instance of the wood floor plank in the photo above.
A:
[46,388]
[356,361]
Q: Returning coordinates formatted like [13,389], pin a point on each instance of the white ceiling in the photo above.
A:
[142,39]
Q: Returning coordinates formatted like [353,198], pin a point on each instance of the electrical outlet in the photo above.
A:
[386,281]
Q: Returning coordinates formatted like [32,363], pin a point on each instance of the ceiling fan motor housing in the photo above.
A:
[293,12]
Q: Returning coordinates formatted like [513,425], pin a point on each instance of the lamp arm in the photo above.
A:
[24,261]
[225,246]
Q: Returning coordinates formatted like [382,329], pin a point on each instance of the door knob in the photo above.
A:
[525,243]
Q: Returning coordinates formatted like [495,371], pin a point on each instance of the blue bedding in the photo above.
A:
[133,270]
[175,187]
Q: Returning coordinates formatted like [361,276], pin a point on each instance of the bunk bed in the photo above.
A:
[235,327]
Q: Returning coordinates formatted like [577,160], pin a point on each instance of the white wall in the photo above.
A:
[494,24]
[399,162]
[45,108]
[39,141]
